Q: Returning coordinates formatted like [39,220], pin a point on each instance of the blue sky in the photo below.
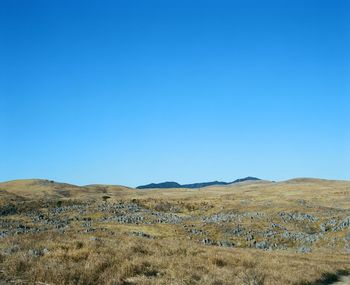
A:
[131,92]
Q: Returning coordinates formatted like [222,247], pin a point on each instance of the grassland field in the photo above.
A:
[251,233]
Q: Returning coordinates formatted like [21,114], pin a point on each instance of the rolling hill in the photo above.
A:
[290,232]
[164,185]
[48,189]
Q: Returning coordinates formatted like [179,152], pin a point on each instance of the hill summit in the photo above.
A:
[194,185]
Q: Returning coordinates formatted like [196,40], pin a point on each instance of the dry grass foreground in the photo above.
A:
[65,234]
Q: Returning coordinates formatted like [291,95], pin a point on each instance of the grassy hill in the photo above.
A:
[256,232]
[48,189]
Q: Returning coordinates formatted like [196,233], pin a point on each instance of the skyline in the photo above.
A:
[133,93]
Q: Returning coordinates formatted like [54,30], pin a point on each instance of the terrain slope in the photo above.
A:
[251,232]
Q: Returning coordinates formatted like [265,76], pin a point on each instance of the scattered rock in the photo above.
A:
[262,245]
[207,241]
[35,252]
[304,249]
[225,243]
[8,210]
[140,234]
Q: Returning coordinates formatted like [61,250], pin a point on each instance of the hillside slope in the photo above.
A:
[291,232]
[48,189]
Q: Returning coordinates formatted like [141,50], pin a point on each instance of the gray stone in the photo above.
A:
[35,252]
[304,249]
[225,243]
[207,241]
[262,245]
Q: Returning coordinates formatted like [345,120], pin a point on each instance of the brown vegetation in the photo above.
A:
[111,255]
[76,259]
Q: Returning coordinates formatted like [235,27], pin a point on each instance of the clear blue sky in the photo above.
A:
[131,92]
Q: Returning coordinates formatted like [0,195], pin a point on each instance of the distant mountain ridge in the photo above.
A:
[170,184]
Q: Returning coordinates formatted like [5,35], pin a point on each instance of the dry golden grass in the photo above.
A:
[112,256]
[252,195]
[38,189]
[78,259]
